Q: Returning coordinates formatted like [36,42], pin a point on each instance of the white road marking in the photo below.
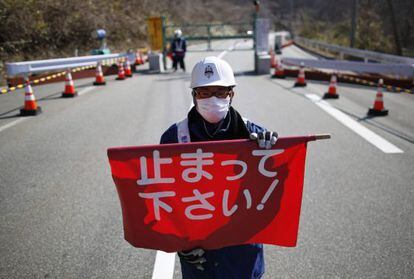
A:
[11,124]
[165,262]
[361,130]
[221,55]
[85,90]
[164,265]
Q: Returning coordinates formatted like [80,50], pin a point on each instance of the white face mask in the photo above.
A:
[213,109]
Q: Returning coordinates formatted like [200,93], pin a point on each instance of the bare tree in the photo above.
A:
[398,49]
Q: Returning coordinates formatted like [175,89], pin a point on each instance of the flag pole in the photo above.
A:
[322,136]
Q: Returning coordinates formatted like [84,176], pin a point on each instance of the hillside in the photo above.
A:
[44,29]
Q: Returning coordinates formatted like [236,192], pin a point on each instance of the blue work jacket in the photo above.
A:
[238,262]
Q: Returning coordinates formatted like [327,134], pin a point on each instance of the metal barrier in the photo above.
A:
[397,70]
[38,66]
[364,54]
[209,32]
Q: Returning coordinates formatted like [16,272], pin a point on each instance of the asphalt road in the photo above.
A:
[60,215]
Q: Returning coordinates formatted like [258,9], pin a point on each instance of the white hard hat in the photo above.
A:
[212,71]
[178,33]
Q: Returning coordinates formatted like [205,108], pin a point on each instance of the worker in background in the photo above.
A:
[178,49]
[213,118]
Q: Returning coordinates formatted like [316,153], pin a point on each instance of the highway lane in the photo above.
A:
[296,52]
[60,214]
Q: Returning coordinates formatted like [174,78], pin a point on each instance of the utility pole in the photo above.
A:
[353,23]
[292,17]
[397,42]
[256,4]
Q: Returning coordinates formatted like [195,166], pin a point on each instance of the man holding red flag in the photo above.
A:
[213,118]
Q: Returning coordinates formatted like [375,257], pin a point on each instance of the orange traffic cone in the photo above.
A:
[273,62]
[99,79]
[378,109]
[300,81]
[279,70]
[138,58]
[128,72]
[30,105]
[69,87]
[331,94]
[121,73]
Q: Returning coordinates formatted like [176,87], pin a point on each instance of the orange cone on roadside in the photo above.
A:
[99,79]
[121,72]
[128,72]
[138,58]
[279,70]
[300,81]
[70,91]
[378,109]
[273,61]
[331,94]
[30,105]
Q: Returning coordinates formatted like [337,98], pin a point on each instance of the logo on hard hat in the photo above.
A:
[208,72]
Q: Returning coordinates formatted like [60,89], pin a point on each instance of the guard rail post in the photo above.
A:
[208,37]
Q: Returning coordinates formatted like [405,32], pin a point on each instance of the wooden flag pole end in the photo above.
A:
[322,136]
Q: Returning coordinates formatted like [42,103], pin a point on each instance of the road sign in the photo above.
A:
[177,207]
[155,32]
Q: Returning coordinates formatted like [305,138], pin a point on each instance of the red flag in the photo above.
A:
[210,194]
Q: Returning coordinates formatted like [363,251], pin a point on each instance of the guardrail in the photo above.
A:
[38,66]
[209,34]
[207,38]
[396,70]
[364,54]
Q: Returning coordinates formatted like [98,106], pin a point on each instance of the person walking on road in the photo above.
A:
[178,49]
[213,118]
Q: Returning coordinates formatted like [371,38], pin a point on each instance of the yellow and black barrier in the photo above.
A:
[41,80]
[362,81]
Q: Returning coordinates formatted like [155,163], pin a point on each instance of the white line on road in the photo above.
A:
[162,268]
[364,132]
[11,124]
[221,55]
[164,265]
[8,125]
[85,90]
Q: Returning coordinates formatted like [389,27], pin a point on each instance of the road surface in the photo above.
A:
[60,215]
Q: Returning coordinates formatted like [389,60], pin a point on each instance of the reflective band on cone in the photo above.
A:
[30,105]
[121,73]
[331,94]
[70,91]
[378,109]
[300,81]
[99,79]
